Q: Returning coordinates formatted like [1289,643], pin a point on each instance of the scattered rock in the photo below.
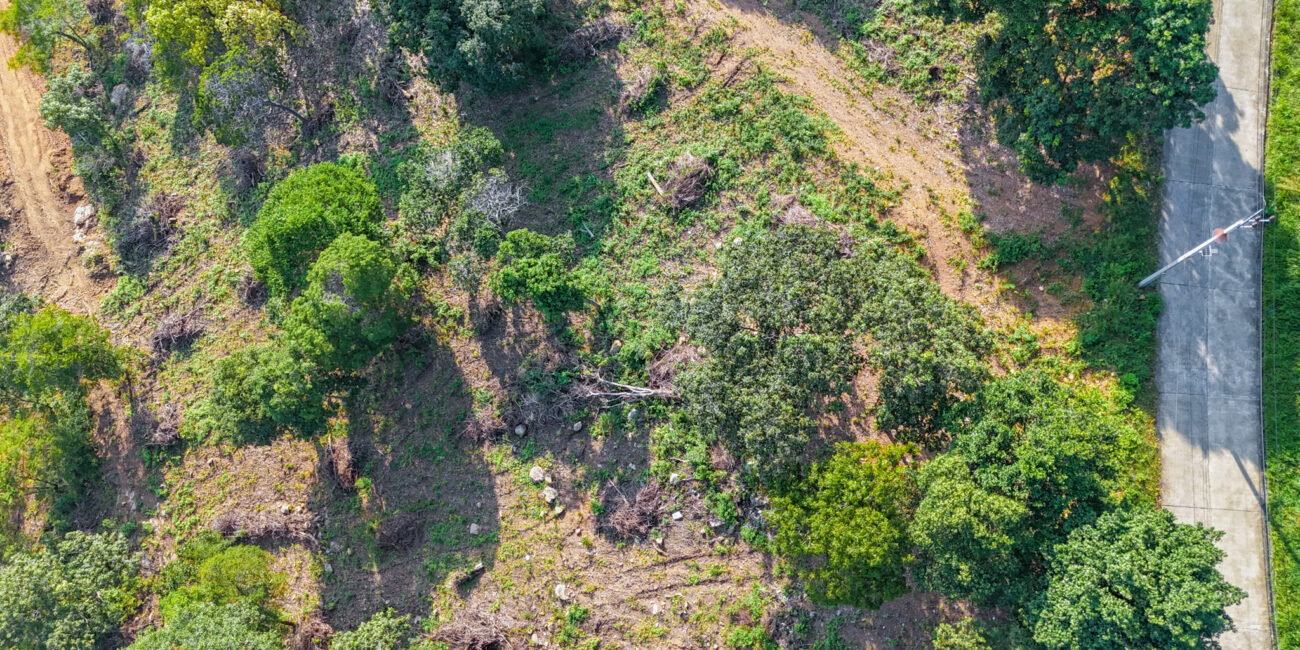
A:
[520,429]
[285,509]
[677,515]
[577,426]
[473,529]
[537,474]
[563,592]
[674,478]
[550,494]
[716,523]
[559,510]
[82,216]
[654,609]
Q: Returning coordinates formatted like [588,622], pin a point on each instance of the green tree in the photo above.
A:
[845,526]
[209,626]
[383,631]
[962,635]
[485,42]
[302,215]
[217,595]
[237,95]
[1071,81]
[51,355]
[196,32]
[75,103]
[259,392]
[1033,458]
[71,594]
[41,25]
[1134,579]
[353,307]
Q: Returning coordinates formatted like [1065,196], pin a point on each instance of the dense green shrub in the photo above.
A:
[962,635]
[70,594]
[352,308]
[1070,82]
[483,42]
[1033,459]
[845,525]
[259,392]
[302,215]
[533,265]
[209,626]
[40,26]
[218,595]
[383,631]
[49,356]
[191,34]
[1134,579]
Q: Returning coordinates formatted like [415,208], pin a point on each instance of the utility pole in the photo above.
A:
[1220,234]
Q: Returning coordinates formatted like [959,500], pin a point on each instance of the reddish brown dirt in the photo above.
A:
[35,160]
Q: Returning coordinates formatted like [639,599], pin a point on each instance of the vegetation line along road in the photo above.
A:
[1282,321]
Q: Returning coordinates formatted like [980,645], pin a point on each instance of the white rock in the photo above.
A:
[537,474]
[285,509]
[738,240]
[473,529]
[674,478]
[563,592]
[78,236]
[559,510]
[83,214]
[520,429]
[577,426]
[550,494]
[654,609]
[677,516]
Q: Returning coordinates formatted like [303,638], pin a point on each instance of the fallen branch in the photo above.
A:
[627,392]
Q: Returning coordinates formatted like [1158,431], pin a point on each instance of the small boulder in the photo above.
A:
[563,592]
[82,216]
[473,529]
[677,515]
[577,426]
[537,474]
[674,478]
[550,494]
[520,429]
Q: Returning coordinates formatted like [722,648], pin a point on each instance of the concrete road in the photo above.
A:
[1208,351]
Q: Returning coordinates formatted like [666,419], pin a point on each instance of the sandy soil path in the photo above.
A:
[41,231]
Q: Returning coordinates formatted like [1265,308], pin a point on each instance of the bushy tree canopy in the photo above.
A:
[302,215]
[484,42]
[1032,460]
[41,25]
[1134,580]
[383,631]
[352,308]
[261,391]
[69,595]
[196,32]
[845,526]
[782,324]
[1071,81]
[49,355]
[236,93]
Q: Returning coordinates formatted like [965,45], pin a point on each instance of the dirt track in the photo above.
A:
[41,232]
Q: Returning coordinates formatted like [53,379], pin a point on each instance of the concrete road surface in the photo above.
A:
[1208,350]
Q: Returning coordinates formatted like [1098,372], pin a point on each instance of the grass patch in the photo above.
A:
[1282,323]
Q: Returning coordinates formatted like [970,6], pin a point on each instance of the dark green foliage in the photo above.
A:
[302,215]
[70,594]
[1072,81]
[483,42]
[1032,460]
[259,392]
[383,631]
[1281,310]
[352,308]
[780,325]
[1134,580]
[845,525]
[217,595]
[534,266]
